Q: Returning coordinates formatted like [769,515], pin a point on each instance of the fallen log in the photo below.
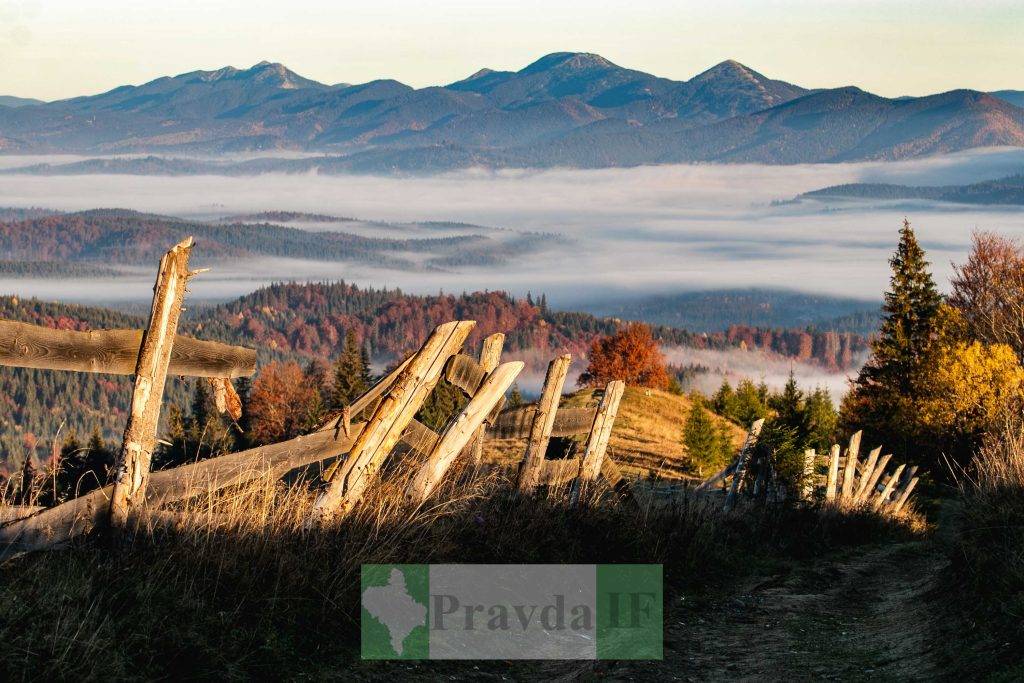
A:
[55,526]
[115,351]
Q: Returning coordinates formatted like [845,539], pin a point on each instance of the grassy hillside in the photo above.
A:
[648,436]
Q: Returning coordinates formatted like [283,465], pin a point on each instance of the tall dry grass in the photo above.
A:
[987,548]
[233,585]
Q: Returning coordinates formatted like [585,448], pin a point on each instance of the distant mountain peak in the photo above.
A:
[573,60]
[730,69]
[480,74]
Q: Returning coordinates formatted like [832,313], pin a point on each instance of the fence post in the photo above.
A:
[459,432]
[850,471]
[865,476]
[833,473]
[600,433]
[904,495]
[132,466]
[741,463]
[543,421]
[889,486]
[876,474]
[490,357]
[392,415]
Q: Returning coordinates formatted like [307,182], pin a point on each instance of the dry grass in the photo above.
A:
[234,586]
[987,553]
[648,436]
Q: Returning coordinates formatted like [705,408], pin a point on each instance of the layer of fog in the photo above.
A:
[631,231]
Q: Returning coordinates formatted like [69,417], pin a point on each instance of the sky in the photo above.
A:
[51,49]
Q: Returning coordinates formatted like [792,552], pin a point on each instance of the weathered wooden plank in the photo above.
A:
[865,476]
[850,471]
[58,525]
[490,357]
[718,476]
[543,421]
[904,495]
[419,438]
[514,423]
[883,497]
[115,351]
[131,469]
[396,409]
[876,474]
[461,431]
[10,513]
[832,481]
[741,463]
[465,372]
[560,471]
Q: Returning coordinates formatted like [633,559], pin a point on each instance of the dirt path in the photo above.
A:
[856,616]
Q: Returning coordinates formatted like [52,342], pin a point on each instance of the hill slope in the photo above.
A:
[1009,190]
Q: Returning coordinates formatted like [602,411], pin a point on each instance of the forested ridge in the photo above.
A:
[308,323]
[124,237]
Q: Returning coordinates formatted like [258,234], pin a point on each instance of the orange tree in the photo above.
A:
[631,354]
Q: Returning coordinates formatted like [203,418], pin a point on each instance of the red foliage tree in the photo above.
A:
[281,403]
[631,354]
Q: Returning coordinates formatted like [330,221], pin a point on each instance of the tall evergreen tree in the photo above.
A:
[351,374]
[882,398]
[701,438]
[791,410]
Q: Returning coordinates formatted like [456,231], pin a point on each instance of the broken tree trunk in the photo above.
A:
[115,351]
[394,412]
[741,463]
[832,482]
[876,474]
[883,497]
[865,476]
[850,471]
[459,432]
[131,470]
[490,357]
[543,421]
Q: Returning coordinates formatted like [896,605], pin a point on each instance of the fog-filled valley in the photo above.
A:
[620,242]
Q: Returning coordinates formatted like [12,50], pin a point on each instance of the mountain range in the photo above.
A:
[565,109]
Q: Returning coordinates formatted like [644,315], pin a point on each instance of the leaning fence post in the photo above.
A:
[131,470]
[459,432]
[865,476]
[741,463]
[597,441]
[490,356]
[850,471]
[889,486]
[876,474]
[543,421]
[904,495]
[391,416]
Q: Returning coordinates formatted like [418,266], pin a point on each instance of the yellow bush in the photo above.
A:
[971,386]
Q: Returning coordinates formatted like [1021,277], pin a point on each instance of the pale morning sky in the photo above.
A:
[61,48]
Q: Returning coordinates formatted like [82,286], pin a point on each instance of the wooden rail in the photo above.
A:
[115,351]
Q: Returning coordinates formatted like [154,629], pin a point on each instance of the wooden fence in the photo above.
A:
[366,433]
[841,478]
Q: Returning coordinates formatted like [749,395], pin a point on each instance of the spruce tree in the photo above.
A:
[882,399]
[790,410]
[351,374]
[700,436]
